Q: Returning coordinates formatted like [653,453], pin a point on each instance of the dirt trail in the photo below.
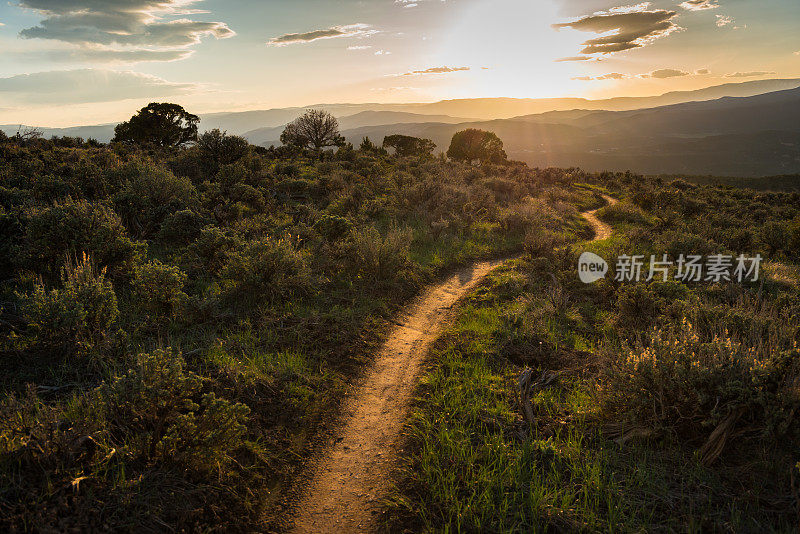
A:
[351,476]
[601,229]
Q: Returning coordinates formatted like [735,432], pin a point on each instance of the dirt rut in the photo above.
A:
[345,491]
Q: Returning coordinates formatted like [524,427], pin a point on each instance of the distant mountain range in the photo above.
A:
[737,129]
[743,136]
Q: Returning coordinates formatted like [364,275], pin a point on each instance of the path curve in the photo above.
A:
[345,492]
[601,229]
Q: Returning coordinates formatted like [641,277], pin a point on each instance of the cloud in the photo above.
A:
[609,76]
[748,74]
[665,73]
[701,72]
[382,53]
[123,29]
[411,3]
[724,20]
[436,70]
[573,58]
[86,86]
[359,47]
[102,55]
[659,74]
[797,53]
[612,76]
[628,27]
[335,32]
[699,5]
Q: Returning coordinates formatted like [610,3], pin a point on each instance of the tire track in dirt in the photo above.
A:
[351,477]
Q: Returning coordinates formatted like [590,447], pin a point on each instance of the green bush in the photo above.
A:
[158,289]
[380,258]
[154,413]
[78,318]
[623,212]
[149,195]
[220,148]
[268,269]
[182,227]
[333,227]
[541,242]
[775,236]
[69,229]
[638,306]
[674,381]
[211,251]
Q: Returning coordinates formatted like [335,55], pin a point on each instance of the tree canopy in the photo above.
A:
[405,145]
[316,129]
[471,144]
[159,124]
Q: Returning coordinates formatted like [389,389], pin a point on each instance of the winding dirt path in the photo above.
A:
[351,476]
[601,229]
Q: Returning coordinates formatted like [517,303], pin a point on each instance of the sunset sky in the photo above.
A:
[71,62]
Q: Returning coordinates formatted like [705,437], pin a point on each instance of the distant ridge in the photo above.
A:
[243,122]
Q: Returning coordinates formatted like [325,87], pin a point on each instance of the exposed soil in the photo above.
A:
[351,476]
[601,229]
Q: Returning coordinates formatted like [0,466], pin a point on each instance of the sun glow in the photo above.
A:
[512,49]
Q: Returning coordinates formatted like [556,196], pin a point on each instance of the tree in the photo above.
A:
[316,129]
[470,145]
[158,124]
[405,145]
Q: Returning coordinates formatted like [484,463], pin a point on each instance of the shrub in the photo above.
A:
[637,306]
[540,242]
[153,411]
[775,235]
[211,251]
[158,289]
[676,382]
[268,269]
[182,227]
[623,212]
[333,227]
[378,257]
[78,318]
[68,229]
[221,148]
[150,194]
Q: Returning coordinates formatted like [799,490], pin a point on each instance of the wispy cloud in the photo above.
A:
[628,27]
[411,3]
[661,74]
[724,20]
[351,30]
[359,47]
[699,5]
[752,74]
[574,58]
[436,70]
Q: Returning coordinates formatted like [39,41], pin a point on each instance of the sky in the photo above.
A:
[76,62]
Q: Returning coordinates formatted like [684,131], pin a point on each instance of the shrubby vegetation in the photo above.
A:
[178,317]
[649,406]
